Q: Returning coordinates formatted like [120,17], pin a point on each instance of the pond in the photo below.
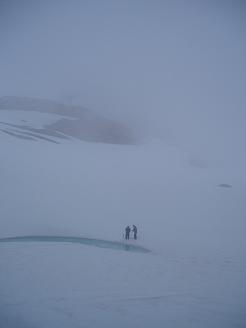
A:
[123,246]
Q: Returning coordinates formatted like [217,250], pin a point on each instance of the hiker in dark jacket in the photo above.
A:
[135,231]
[127,234]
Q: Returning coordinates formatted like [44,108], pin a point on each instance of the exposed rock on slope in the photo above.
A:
[65,121]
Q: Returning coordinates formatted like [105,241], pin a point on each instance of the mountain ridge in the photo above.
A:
[73,121]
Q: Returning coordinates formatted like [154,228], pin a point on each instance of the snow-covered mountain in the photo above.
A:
[36,119]
[82,194]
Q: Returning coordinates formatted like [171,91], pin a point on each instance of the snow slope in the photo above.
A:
[19,117]
[195,274]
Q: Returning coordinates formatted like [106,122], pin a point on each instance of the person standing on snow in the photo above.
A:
[127,234]
[135,231]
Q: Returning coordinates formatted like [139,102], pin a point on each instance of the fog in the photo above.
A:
[169,69]
[174,74]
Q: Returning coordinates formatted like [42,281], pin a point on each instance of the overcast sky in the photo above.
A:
[176,68]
